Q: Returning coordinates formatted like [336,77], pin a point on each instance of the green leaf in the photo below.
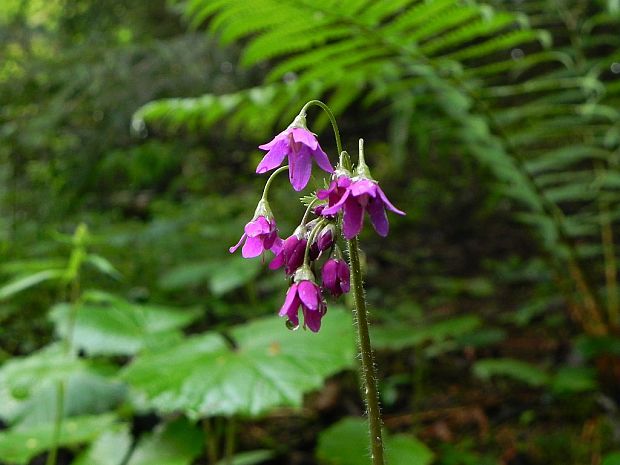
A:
[28,387]
[613,458]
[396,337]
[104,266]
[269,367]
[113,326]
[110,448]
[515,369]
[176,443]
[86,393]
[232,274]
[574,380]
[19,446]
[21,375]
[346,443]
[222,276]
[248,458]
[595,346]
[25,282]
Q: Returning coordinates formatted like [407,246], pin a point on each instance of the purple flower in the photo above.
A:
[327,237]
[304,292]
[336,277]
[291,255]
[260,234]
[300,145]
[354,196]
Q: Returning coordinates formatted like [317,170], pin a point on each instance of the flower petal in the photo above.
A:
[282,136]
[353,218]
[309,294]
[269,240]
[335,208]
[257,227]
[322,160]
[387,203]
[277,245]
[312,319]
[274,157]
[305,137]
[344,275]
[253,247]
[364,186]
[322,194]
[329,274]
[300,168]
[234,248]
[379,220]
[291,304]
[277,262]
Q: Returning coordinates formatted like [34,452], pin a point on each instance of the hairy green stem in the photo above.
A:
[331,116]
[369,380]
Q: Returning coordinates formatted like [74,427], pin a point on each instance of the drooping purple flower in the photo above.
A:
[306,293]
[336,277]
[300,146]
[326,237]
[324,240]
[291,255]
[355,196]
[260,234]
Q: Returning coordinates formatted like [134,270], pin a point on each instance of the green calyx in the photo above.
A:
[299,122]
[263,209]
[362,170]
[304,273]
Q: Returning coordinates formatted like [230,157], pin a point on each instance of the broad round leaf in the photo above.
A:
[18,446]
[118,327]
[176,443]
[269,367]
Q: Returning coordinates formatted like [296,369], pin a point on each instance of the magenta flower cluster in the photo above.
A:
[313,245]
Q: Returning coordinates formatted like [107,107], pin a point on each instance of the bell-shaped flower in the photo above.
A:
[324,241]
[304,293]
[300,146]
[260,234]
[336,277]
[291,255]
[354,196]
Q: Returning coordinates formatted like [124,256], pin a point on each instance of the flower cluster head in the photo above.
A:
[300,146]
[313,246]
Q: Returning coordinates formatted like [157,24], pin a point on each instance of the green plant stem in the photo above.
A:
[270,180]
[311,237]
[369,380]
[229,446]
[75,262]
[210,440]
[307,212]
[331,116]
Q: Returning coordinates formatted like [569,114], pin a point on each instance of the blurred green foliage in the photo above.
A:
[128,135]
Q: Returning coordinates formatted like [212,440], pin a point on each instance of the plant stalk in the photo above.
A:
[331,117]
[369,380]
